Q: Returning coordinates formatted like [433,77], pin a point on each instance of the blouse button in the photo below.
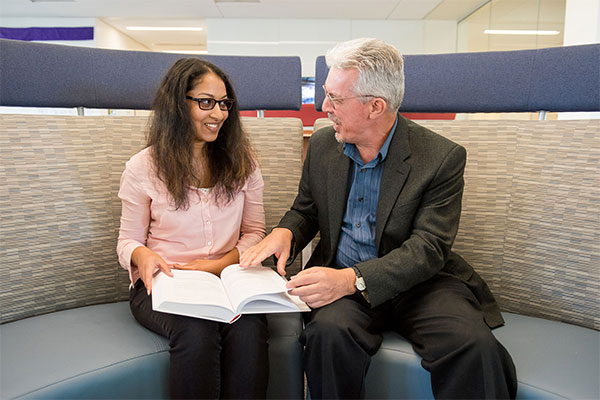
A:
[209,243]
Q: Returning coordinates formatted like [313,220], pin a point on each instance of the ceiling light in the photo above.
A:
[518,32]
[186,51]
[291,42]
[164,28]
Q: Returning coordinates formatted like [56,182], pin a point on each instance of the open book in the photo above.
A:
[200,294]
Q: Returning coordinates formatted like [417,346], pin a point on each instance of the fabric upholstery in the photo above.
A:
[530,217]
[60,210]
[281,166]
[58,229]
[530,220]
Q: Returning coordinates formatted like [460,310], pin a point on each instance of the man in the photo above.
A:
[385,195]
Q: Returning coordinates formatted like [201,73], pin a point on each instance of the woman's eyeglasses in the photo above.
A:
[208,104]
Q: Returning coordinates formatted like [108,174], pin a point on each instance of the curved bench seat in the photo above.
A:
[102,352]
[554,360]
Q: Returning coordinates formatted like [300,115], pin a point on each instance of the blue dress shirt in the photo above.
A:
[357,238]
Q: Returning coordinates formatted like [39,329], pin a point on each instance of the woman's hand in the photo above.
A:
[212,266]
[146,262]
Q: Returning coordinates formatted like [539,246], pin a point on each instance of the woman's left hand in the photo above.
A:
[212,266]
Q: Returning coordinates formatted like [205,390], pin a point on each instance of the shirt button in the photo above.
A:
[361,199]
[358,225]
[205,200]
[209,243]
[208,222]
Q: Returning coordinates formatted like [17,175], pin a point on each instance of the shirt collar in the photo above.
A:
[351,151]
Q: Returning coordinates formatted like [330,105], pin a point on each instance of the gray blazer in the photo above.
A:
[417,215]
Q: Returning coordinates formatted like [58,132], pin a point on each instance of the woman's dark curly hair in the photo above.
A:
[229,159]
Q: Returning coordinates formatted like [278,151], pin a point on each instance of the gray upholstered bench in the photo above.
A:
[530,222]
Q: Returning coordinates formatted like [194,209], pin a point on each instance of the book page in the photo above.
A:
[192,293]
[273,302]
[244,283]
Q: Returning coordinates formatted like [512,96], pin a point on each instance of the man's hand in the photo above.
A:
[278,242]
[319,286]
[146,262]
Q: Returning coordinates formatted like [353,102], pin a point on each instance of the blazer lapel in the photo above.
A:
[338,187]
[394,176]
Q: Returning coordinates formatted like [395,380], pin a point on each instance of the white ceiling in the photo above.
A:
[122,13]
[338,9]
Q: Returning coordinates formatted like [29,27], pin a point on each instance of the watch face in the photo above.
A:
[360,284]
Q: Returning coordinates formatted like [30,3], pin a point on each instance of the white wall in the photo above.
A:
[440,36]
[582,22]
[107,37]
[309,38]
[582,26]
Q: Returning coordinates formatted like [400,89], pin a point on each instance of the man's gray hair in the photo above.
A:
[380,66]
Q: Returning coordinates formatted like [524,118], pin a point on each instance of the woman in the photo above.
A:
[192,199]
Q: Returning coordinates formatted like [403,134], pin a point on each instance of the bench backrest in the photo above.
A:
[530,222]
[553,79]
[49,75]
[60,211]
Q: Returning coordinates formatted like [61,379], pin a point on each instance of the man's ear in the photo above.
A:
[378,107]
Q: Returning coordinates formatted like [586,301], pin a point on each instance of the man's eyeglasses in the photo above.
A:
[208,104]
[339,100]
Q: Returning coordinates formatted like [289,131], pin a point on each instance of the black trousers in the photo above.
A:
[440,317]
[209,360]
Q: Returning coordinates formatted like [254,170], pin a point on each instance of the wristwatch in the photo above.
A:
[360,285]
[360,281]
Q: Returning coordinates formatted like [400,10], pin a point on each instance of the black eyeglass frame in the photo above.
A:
[224,104]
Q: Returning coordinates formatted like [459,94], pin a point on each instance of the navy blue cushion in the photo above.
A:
[48,75]
[554,79]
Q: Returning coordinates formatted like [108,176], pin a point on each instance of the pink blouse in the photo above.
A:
[206,230]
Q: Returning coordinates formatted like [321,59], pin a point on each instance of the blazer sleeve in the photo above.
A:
[418,237]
